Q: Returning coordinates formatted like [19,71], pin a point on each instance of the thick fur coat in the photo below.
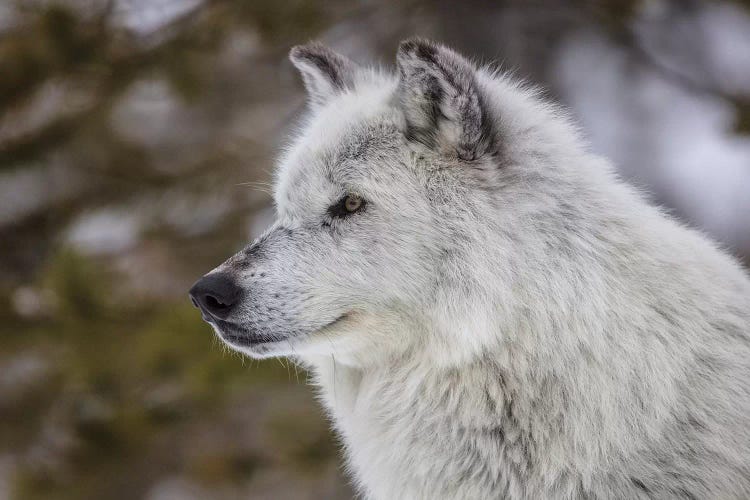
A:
[486,309]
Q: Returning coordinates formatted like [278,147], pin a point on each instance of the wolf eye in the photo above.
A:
[347,205]
[352,203]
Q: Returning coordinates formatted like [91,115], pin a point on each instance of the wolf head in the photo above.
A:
[406,205]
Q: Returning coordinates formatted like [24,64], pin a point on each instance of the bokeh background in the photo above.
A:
[137,142]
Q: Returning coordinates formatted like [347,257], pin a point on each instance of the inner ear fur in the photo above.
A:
[325,72]
[441,100]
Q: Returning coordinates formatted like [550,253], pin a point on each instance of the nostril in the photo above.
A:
[214,303]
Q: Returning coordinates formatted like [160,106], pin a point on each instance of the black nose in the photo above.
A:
[215,294]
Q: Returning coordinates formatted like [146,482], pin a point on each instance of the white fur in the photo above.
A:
[516,325]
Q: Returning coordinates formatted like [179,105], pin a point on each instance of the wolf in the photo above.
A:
[486,309]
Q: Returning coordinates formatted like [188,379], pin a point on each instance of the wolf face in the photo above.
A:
[487,311]
[387,200]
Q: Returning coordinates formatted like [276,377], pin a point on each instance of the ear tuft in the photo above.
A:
[441,101]
[418,48]
[325,72]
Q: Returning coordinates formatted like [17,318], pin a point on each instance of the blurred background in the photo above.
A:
[137,141]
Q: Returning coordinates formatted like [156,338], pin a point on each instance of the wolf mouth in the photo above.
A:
[245,341]
[237,336]
[241,337]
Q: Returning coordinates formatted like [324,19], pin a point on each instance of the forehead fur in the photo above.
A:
[328,129]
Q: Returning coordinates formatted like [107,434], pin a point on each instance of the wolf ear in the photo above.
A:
[325,72]
[441,101]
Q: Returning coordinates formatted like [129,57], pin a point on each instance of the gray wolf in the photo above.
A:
[486,309]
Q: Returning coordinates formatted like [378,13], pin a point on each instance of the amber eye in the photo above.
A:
[352,203]
[346,206]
